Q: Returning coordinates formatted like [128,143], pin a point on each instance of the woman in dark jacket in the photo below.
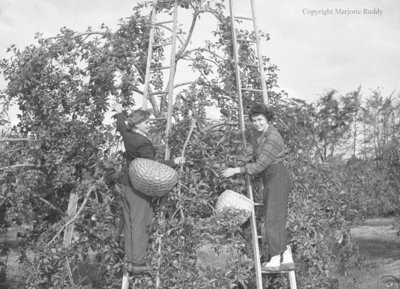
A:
[269,154]
[138,213]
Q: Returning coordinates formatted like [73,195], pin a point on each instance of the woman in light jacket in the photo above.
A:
[269,154]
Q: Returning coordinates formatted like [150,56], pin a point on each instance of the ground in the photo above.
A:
[379,246]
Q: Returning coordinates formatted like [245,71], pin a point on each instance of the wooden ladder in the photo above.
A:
[168,90]
[148,92]
[262,89]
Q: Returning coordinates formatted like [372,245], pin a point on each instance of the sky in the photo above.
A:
[317,44]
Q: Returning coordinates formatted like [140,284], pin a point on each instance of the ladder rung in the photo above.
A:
[243,17]
[158,92]
[152,1]
[250,64]
[164,22]
[252,89]
[246,40]
[161,68]
[277,272]
[162,44]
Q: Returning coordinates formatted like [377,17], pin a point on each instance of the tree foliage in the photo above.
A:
[63,87]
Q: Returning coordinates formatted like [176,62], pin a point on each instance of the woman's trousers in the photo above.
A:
[277,185]
[138,216]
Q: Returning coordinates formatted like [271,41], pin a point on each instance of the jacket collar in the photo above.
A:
[265,132]
[138,131]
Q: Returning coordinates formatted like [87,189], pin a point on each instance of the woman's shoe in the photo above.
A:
[287,260]
[273,265]
[287,266]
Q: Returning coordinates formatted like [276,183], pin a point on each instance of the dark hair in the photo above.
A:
[137,117]
[261,109]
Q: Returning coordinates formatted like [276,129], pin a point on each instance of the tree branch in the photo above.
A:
[151,99]
[15,139]
[184,83]
[192,126]
[178,36]
[49,204]
[141,74]
[184,46]
[204,50]
[87,34]
[62,213]
[91,33]
[76,215]
[137,90]
[206,129]
[17,166]
[11,151]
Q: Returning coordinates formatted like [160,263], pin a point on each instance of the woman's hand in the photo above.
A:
[229,172]
[117,107]
[179,160]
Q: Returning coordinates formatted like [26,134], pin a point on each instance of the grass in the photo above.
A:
[380,247]
[14,273]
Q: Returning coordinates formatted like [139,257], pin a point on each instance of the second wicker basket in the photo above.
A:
[232,201]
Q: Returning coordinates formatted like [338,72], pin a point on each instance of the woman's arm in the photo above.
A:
[146,151]
[272,148]
[121,124]
[176,161]
[169,163]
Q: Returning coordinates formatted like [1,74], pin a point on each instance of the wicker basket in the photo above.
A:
[152,178]
[232,201]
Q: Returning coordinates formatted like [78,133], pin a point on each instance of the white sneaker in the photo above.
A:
[273,265]
[287,262]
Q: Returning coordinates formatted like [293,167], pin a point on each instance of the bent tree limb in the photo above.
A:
[162,217]
[179,37]
[91,189]
[218,124]
[188,52]
[184,46]
[10,151]
[152,100]
[15,139]
[49,204]
[62,213]
[192,126]
[184,83]
[86,34]
[17,166]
